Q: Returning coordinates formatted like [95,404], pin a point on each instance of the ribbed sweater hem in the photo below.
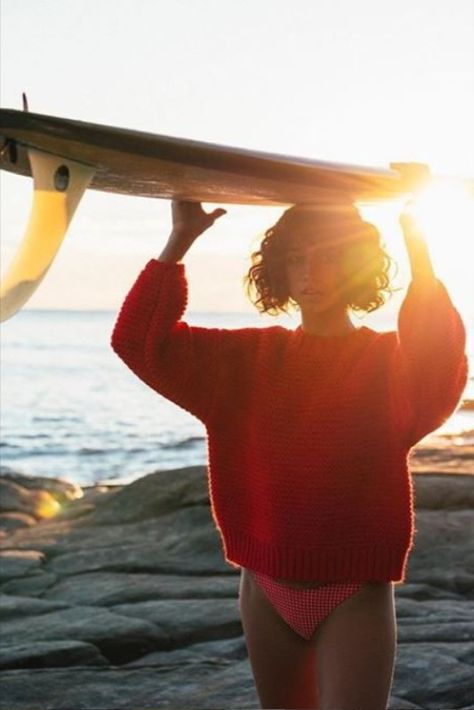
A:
[378,563]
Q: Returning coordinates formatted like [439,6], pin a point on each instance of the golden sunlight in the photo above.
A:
[445,213]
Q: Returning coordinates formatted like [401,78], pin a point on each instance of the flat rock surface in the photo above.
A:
[120,596]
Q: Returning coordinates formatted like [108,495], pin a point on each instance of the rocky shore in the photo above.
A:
[119,597]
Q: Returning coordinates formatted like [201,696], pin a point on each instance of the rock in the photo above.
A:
[32,586]
[37,503]
[67,536]
[47,536]
[442,458]
[63,491]
[448,682]
[50,654]
[142,558]
[120,638]
[231,683]
[233,648]
[442,610]
[13,520]
[107,588]
[18,563]
[75,511]
[401,704]
[443,554]
[188,620]
[437,492]
[95,495]
[168,686]
[132,579]
[26,499]
[460,582]
[182,541]
[154,495]
[439,632]
[12,606]
[420,591]
[91,497]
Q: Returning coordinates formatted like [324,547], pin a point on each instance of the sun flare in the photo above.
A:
[445,213]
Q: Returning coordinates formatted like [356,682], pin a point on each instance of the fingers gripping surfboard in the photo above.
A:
[65,157]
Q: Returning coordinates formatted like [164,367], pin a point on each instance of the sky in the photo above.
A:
[366,82]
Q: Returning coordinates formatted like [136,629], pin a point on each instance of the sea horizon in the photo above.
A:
[72,409]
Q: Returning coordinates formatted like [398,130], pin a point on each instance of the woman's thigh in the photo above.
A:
[356,650]
[283,663]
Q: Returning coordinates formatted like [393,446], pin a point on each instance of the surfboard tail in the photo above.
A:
[58,188]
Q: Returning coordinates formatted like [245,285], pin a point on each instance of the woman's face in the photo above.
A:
[314,273]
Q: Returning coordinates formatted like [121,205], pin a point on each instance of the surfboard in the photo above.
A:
[150,165]
[65,157]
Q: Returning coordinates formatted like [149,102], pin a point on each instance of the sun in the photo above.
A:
[445,212]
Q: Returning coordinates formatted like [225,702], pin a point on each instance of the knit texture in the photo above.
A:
[308,436]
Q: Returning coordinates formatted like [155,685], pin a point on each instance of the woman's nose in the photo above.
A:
[314,267]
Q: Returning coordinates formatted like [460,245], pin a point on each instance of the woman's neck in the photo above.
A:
[326,323]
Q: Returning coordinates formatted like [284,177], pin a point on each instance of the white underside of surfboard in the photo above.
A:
[59,185]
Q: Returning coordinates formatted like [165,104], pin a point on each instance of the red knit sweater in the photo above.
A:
[308,436]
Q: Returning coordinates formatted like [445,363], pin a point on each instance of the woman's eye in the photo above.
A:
[329,257]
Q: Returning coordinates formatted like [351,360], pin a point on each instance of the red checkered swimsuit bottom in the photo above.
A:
[306,608]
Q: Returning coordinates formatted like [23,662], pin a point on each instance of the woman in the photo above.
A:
[309,432]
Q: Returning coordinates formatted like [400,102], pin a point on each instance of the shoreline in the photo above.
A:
[437,455]
[443,453]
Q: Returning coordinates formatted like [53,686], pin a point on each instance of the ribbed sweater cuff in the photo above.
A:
[376,562]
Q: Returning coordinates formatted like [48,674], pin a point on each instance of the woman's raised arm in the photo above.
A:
[178,361]
[429,369]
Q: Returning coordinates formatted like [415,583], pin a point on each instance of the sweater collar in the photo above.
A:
[335,339]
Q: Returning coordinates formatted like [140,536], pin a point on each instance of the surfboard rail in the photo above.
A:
[66,156]
[151,165]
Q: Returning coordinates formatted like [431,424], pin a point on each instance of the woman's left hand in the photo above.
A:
[415,176]
[415,242]
[409,223]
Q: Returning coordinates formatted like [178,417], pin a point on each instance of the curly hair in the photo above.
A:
[364,261]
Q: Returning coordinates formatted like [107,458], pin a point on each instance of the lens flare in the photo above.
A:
[444,211]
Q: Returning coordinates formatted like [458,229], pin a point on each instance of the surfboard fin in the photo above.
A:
[58,188]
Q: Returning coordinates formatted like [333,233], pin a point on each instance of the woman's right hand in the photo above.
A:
[190,220]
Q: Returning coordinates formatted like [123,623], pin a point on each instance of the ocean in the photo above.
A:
[71,409]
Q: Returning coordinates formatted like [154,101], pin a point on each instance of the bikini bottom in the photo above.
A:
[304,609]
